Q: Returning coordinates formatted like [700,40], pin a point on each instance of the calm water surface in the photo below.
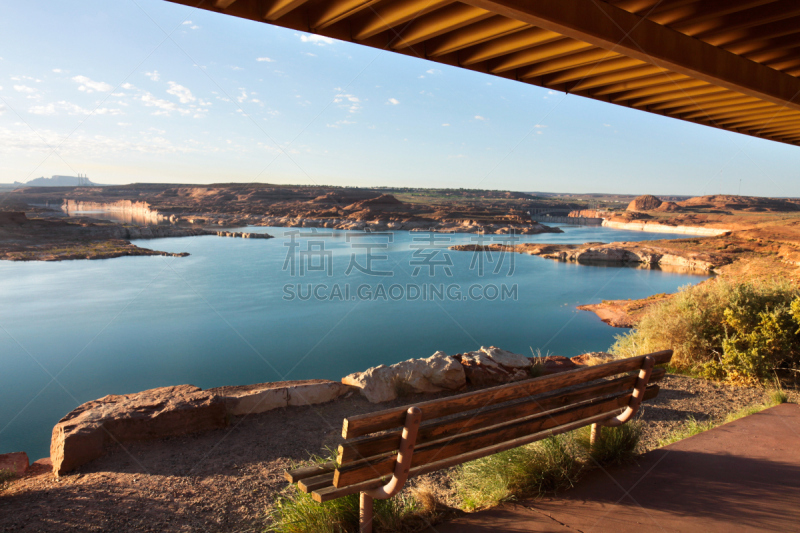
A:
[77,330]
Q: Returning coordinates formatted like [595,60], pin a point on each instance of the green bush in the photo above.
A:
[722,330]
[297,512]
[537,468]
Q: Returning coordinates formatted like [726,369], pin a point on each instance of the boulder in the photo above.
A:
[552,364]
[384,383]
[252,399]
[592,358]
[492,366]
[16,463]
[82,435]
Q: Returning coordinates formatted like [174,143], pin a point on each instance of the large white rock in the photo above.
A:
[433,374]
[490,366]
[506,358]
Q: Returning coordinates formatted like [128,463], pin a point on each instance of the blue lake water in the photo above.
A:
[74,331]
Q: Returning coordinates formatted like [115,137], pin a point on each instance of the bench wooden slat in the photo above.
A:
[317,482]
[365,424]
[295,475]
[357,472]
[331,493]
[437,429]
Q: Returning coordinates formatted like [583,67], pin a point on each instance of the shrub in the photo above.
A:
[5,477]
[616,445]
[297,512]
[721,330]
[537,468]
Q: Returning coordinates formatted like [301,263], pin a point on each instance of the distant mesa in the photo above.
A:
[58,181]
[379,202]
[327,198]
[743,203]
[647,202]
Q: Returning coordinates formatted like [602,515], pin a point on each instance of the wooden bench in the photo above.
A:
[383,449]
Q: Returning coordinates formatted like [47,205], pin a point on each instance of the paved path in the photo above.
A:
[742,476]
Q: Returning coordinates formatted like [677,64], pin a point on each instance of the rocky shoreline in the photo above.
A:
[94,428]
[618,252]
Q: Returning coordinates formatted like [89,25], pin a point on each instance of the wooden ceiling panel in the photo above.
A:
[731,64]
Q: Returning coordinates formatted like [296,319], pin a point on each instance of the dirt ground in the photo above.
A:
[225,480]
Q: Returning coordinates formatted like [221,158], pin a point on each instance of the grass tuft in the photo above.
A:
[616,445]
[5,478]
[545,466]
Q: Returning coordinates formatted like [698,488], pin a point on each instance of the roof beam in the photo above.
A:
[629,75]
[661,86]
[386,16]
[610,27]
[473,34]
[668,94]
[223,4]
[449,18]
[279,8]
[507,45]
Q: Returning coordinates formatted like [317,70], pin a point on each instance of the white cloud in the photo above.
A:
[265,59]
[155,76]
[49,109]
[127,86]
[89,85]
[445,124]
[478,117]
[309,54]
[186,22]
[164,107]
[433,71]
[123,124]
[71,109]
[318,40]
[195,27]
[607,125]
[57,70]
[234,67]
[540,126]
[25,89]
[184,95]
[242,97]
[393,101]
[350,102]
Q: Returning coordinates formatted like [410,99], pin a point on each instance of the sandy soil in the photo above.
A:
[225,480]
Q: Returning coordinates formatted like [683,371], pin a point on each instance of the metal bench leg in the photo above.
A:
[365,513]
[403,465]
[636,398]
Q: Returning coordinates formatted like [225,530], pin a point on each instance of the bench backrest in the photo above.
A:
[468,426]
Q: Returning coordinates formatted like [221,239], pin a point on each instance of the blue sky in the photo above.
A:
[149,91]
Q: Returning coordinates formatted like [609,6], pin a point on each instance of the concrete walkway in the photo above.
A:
[742,476]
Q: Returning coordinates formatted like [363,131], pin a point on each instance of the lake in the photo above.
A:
[240,311]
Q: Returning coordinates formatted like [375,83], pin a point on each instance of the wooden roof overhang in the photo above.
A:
[729,64]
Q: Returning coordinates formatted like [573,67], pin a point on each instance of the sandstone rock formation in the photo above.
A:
[384,383]
[592,358]
[491,366]
[82,435]
[647,202]
[669,207]
[552,364]
[16,463]
[252,399]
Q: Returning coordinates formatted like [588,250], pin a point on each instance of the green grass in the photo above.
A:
[535,469]
[616,445]
[297,512]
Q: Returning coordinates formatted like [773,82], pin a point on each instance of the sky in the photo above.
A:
[149,91]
